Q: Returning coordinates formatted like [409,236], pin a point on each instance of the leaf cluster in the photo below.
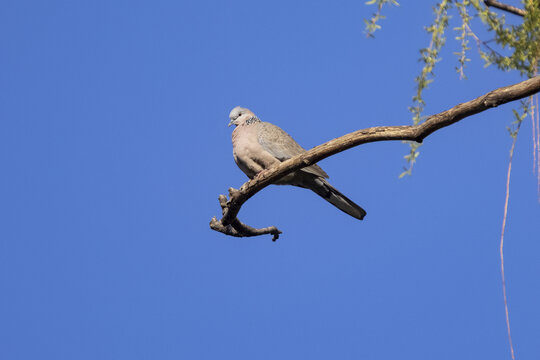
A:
[517,47]
[372,23]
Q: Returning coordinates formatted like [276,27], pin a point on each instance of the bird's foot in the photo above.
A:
[259,175]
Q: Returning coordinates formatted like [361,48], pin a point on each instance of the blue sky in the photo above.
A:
[114,147]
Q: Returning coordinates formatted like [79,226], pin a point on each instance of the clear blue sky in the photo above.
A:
[114,147]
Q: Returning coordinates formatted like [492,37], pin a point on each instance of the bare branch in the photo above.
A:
[417,133]
[509,8]
[238,228]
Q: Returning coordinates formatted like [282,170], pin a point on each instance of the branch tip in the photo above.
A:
[505,7]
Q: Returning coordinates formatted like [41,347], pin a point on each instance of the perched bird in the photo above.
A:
[258,146]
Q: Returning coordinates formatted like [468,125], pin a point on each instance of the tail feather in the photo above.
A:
[322,188]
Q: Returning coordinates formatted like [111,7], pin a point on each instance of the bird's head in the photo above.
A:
[240,115]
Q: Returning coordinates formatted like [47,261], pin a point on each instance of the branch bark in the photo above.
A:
[230,225]
[509,8]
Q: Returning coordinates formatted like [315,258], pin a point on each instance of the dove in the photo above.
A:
[259,146]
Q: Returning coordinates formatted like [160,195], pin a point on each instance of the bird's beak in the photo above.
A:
[231,123]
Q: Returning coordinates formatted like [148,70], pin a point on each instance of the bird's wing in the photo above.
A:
[283,147]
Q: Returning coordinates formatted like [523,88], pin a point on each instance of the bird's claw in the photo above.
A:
[260,175]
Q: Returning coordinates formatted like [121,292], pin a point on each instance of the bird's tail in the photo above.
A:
[322,188]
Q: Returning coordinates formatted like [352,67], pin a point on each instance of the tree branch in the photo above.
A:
[509,8]
[230,225]
[237,228]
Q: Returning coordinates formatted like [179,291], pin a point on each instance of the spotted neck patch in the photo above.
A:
[252,120]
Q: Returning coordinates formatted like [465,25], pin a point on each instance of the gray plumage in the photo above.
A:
[258,146]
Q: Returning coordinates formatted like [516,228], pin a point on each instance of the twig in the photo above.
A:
[482,42]
[509,8]
[382,133]
[502,241]
[536,147]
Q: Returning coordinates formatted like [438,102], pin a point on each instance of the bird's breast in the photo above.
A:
[244,139]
